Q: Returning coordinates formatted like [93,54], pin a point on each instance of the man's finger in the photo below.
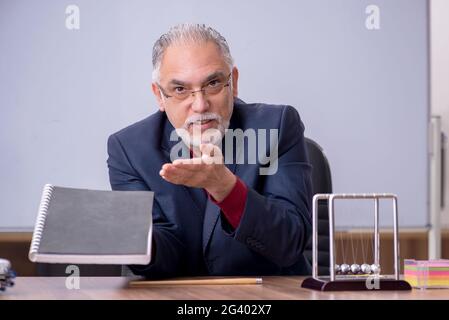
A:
[211,150]
[191,167]
[187,161]
[176,175]
[211,154]
[207,149]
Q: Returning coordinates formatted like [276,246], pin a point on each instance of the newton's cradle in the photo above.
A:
[354,276]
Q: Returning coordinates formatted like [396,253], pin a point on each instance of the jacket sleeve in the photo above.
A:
[166,246]
[276,221]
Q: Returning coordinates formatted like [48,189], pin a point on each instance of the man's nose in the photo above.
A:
[200,103]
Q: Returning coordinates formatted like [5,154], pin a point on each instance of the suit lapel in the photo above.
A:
[211,216]
[212,212]
[195,196]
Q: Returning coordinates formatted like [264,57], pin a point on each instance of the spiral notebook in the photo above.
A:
[93,227]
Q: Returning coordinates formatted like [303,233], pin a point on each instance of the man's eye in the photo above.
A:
[214,83]
[179,89]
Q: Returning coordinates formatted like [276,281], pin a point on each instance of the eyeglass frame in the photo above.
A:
[227,84]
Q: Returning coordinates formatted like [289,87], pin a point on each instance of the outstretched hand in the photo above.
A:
[207,171]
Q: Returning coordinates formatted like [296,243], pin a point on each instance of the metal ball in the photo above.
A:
[375,268]
[337,268]
[355,268]
[365,268]
[345,268]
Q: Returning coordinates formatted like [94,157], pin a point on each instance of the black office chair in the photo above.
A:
[321,183]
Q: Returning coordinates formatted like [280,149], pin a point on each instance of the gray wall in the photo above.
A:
[363,95]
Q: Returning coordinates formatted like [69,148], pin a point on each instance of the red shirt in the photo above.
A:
[234,204]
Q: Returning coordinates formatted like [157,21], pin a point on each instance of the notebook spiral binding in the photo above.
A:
[40,220]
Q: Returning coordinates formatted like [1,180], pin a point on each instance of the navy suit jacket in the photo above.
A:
[191,235]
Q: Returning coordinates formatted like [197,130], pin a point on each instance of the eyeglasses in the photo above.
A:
[211,88]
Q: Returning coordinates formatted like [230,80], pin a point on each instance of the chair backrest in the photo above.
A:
[321,183]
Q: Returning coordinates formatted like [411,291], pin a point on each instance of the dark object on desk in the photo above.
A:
[85,270]
[321,183]
[6,275]
[356,285]
[81,226]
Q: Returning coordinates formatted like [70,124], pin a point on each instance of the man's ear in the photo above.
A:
[158,95]
[235,82]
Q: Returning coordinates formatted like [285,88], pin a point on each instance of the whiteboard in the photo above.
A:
[362,94]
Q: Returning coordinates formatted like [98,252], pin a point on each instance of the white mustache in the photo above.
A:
[213,136]
[201,117]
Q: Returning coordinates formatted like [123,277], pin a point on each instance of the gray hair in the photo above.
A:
[188,33]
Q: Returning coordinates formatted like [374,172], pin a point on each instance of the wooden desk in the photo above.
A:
[14,246]
[274,288]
